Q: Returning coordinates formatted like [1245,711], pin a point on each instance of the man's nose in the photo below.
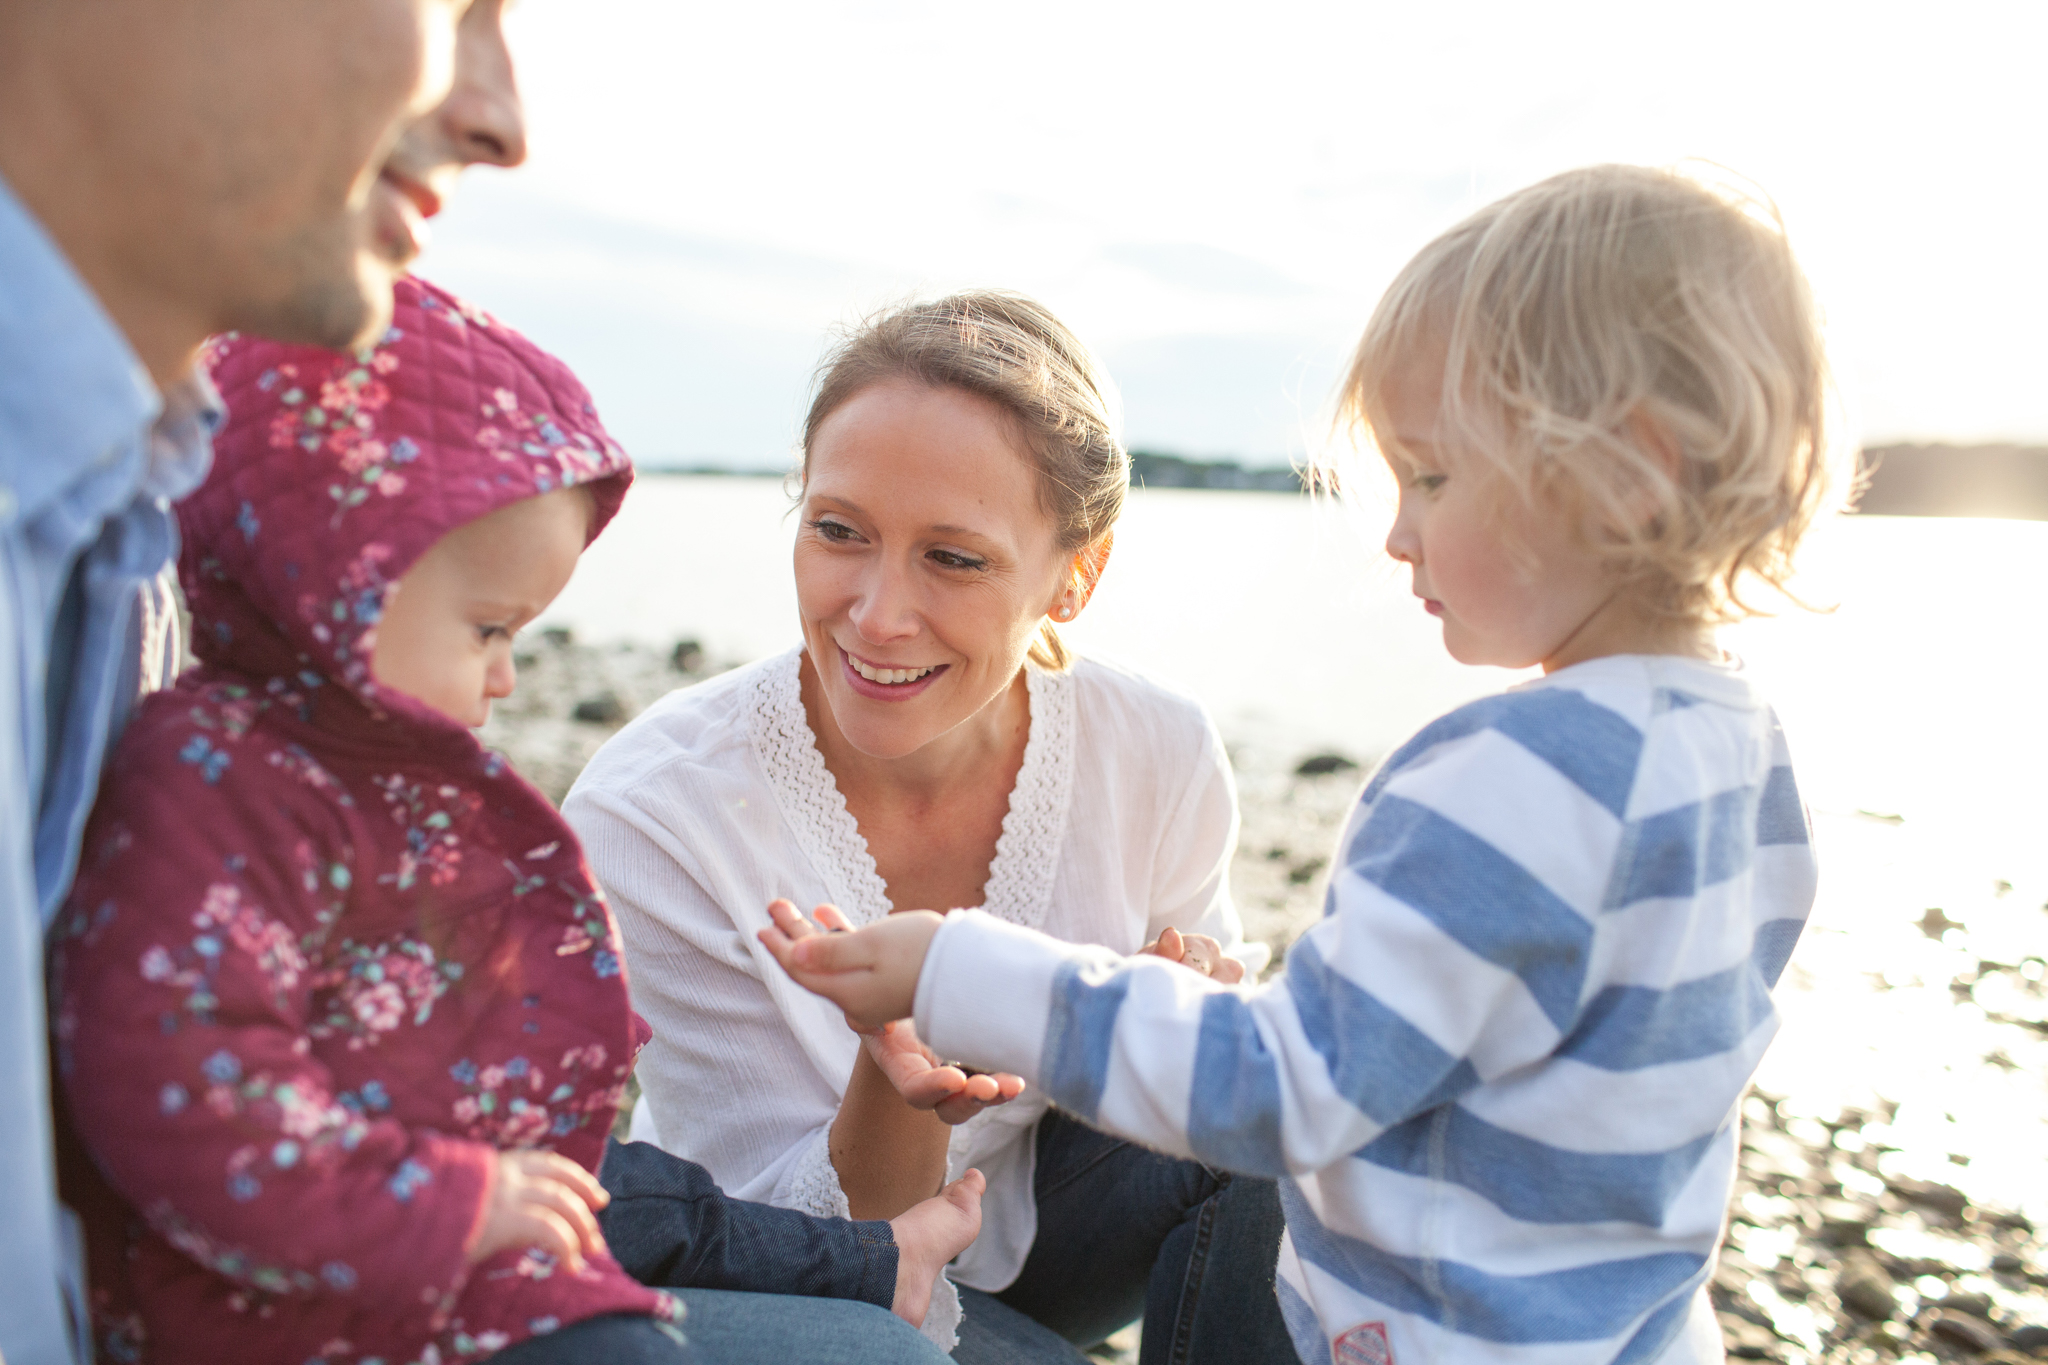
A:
[486,119]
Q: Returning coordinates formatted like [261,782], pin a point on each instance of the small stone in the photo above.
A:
[1323,765]
[1747,1341]
[1960,1329]
[687,657]
[1843,1223]
[2005,1263]
[603,709]
[561,637]
[1302,873]
[1863,1287]
[2032,1338]
[1935,923]
[1929,1195]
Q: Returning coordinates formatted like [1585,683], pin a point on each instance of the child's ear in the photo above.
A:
[1651,436]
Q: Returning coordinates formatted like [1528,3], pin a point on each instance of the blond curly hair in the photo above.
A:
[1575,311]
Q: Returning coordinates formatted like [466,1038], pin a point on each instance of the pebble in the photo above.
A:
[1962,1329]
[603,709]
[1864,1286]
[2030,1338]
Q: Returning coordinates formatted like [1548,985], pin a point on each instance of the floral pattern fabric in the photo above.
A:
[326,956]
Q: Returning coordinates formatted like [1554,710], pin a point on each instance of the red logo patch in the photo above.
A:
[1365,1344]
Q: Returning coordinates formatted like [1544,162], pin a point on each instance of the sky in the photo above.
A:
[1214,196]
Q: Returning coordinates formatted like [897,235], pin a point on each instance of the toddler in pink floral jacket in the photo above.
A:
[340,1014]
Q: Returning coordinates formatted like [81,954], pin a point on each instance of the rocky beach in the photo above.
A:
[1877,1216]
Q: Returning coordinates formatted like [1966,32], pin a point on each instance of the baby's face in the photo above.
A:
[446,636]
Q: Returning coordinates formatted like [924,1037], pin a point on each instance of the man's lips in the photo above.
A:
[421,196]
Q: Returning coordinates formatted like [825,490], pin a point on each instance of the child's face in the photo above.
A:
[1512,582]
[446,635]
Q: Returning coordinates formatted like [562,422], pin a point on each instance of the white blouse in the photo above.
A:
[716,801]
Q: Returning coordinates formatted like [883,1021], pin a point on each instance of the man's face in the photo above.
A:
[300,201]
[481,120]
[269,183]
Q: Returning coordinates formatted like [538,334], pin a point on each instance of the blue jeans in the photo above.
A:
[1123,1233]
[670,1225]
[726,1327]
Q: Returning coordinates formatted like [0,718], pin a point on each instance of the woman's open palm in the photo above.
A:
[925,1082]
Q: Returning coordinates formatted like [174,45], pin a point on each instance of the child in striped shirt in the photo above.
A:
[1500,1078]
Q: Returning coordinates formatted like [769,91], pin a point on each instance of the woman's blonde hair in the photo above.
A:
[1012,351]
[1576,313]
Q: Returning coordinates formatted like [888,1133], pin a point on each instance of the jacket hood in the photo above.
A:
[335,472]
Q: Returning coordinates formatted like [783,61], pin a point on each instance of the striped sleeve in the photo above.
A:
[1455,949]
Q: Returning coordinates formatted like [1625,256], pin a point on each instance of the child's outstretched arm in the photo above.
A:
[1439,963]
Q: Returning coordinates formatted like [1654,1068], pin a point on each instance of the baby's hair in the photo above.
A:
[1573,313]
[1012,351]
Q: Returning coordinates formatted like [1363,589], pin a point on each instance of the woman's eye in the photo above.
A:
[953,559]
[834,530]
[1427,483]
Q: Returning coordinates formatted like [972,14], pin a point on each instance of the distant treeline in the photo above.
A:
[1151,469]
[1957,481]
[1903,480]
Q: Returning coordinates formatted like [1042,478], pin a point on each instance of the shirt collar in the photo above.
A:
[72,390]
[181,442]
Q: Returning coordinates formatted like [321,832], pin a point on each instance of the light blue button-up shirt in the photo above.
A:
[91,456]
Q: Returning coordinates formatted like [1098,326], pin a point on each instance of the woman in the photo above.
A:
[933,743]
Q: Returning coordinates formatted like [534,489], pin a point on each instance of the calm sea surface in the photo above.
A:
[1916,712]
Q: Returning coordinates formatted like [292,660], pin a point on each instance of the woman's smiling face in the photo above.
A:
[925,563]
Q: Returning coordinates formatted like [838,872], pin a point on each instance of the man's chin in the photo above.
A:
[342,310]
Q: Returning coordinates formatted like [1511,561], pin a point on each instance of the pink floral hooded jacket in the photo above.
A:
[326,955]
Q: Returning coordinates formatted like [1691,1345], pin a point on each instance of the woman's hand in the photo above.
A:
[925,1082]
[540,1199]
[1196,951]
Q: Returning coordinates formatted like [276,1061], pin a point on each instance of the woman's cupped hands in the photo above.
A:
[953,1092]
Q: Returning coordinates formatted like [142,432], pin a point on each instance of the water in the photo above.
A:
[1915,712]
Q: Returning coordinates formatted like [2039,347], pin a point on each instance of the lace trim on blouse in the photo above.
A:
[1019,887]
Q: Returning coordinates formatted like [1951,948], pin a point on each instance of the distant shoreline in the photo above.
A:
[1902,480]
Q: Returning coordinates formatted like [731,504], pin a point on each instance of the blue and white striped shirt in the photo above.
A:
[1500,1078]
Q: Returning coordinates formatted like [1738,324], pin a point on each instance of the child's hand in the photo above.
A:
[870,973]
[925,1082]
[540,1199]
[1198,951]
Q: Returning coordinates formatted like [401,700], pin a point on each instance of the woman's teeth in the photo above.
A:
[888,675]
